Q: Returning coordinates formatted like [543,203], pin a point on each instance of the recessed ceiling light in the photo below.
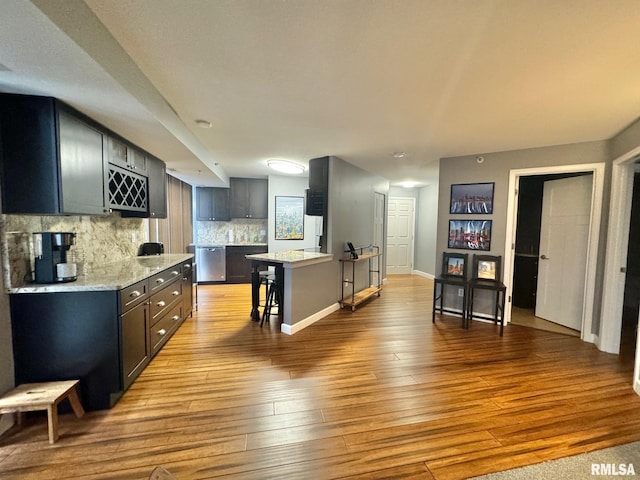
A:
[285,166]
[204,123]
[399,154]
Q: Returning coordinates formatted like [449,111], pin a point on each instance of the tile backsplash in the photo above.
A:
[236,231]
[99,240]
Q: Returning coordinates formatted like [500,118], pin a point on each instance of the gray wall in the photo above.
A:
[496,168]
[351,211]
[426,231]
[288,186]
[625,141]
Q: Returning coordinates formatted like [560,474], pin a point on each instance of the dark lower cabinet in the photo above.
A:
[238,267]
[102,338]
[70,335]
[136,352]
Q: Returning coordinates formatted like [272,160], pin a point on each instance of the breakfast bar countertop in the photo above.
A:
[111,276]
[291,258]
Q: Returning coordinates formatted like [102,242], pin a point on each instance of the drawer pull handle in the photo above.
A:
[161,303]
[162,331]
[175,272]
[187,265]
[160,280]
[175,317]
[184,278]
[135,294]
[175,293]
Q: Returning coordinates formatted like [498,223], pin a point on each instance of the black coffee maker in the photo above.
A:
[51,264]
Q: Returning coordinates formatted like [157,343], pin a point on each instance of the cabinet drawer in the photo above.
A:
[160,280]
[164,328]
[164,299]
[133,295]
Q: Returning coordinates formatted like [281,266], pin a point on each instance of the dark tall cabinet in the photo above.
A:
[51,158]
[249,198]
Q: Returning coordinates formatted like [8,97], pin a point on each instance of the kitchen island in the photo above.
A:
[307,281]
[102,329]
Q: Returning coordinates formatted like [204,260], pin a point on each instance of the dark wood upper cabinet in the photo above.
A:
[249,198]
[123,154]
[212,203]
[156,191]
[51,158]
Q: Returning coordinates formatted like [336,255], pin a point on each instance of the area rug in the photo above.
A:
[610,463]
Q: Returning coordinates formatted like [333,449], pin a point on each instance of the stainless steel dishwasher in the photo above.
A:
[211,262]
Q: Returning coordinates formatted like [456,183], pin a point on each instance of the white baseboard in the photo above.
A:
[304,323]
[422,274]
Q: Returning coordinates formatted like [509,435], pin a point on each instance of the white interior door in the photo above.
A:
[400,229]
[564,238]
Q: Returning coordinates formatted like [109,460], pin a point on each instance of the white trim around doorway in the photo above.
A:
[597,193]
[617,245]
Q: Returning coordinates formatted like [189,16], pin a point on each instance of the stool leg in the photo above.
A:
[52,420]
[75,402]
[267,308]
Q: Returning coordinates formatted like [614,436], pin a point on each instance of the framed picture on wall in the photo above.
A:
[470,234]
[473,198]
[289,218]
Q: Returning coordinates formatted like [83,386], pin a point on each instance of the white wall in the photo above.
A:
[289,186]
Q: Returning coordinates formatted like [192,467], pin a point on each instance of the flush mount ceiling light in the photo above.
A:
[285,166]
[204,123]
[399,154]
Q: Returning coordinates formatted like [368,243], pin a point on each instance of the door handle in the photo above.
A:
[544,257]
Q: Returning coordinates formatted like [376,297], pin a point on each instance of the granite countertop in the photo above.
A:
[246,244]
[292,258]
[112,276]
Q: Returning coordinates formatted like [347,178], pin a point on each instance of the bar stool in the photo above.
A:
[274,298]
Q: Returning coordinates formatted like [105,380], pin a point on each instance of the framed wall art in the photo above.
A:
[473,198]
[470,234]
[289,218]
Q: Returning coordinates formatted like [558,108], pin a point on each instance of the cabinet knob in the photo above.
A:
[161,304]
[162,332]
[184,278]
[175,272]
[135,294]
[175,317]
[160,280]
[175,293]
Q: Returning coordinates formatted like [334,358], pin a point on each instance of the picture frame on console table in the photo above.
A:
[470,235]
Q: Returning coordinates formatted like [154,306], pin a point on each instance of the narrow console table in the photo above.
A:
[353,299]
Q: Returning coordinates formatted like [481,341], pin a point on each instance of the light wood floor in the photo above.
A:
[377,393]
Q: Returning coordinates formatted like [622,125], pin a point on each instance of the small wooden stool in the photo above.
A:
[30,397]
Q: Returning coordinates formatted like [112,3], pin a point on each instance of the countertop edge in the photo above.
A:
[95,282]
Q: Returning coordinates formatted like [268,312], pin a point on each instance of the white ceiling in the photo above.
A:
[359,79]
